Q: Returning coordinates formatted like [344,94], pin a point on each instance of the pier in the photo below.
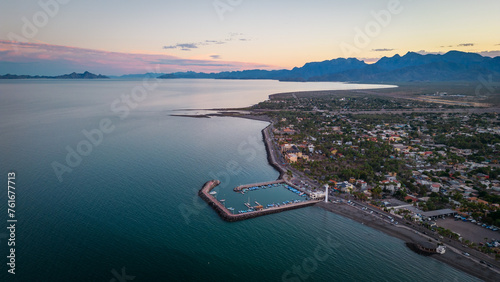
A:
[273,159]
[227,215]
[246,186]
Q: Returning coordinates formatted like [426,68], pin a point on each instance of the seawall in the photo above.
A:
[226,215]
[271,154]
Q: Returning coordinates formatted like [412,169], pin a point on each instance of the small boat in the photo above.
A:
[212,193]
[222,200]
[231,208]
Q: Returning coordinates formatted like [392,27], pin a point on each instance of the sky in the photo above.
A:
[114,37]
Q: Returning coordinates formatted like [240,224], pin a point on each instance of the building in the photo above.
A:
[390,185]
[345,187]
[291,158]
[361,184]
[435,187]
[439,213]
[317,195]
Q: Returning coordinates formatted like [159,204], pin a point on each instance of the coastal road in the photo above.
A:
[384,217]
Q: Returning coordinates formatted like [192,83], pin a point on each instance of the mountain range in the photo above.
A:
[452,66]
[412,67]
[74,75]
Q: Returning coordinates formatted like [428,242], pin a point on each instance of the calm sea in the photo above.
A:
[125,206]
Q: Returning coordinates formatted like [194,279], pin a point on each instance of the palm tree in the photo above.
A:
[376,192]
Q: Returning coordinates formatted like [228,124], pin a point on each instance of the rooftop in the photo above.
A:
[438,212]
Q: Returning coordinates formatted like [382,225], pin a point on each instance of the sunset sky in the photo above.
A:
[120,37]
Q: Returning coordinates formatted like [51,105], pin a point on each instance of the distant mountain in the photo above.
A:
[246,74]
[326,67]
[452,66]
[74,75]
[143,75]
[296,74]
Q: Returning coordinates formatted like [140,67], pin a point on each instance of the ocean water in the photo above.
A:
[127,204]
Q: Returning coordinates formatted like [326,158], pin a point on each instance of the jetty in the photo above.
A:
[273,157]
[227,215]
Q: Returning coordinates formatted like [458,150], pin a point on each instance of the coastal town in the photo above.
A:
[427,173]
[433,171]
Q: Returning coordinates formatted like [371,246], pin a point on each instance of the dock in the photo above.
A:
[246,186]
[227,215]
[274,160]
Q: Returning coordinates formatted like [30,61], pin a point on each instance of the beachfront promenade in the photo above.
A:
[227,215]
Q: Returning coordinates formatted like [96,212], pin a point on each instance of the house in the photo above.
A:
[345,187]
[361,184]
[391,177]
[435,187]
[411,198]
[400,148]
[311,148]
[390,185]
[481,176]
[291,158]
[479,201]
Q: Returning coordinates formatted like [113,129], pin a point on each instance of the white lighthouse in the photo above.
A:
[326,193]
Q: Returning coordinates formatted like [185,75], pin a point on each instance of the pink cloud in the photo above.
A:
[113,63]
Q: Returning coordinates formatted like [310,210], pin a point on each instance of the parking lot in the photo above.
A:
[468,230]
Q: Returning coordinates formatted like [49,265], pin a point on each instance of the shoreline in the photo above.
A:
[453,257]
[409,235]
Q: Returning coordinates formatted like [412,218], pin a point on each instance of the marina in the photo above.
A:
[251,211]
